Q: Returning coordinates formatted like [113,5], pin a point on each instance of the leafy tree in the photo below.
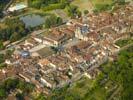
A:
[1,45]
[73,11]
[8,54]
[2,65]
[28,88]
[86,12]
[14,37]
[46,3]
[2,93]
[14,31]
[53,21]
[121,2]
[20,96]
[10,84]
[59,21]
[41,97]
[47,23]
[2,59]
[21,85]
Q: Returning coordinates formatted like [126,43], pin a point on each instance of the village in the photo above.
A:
[61,55]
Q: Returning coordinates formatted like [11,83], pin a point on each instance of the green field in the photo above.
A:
[95,2]
[102,5]
[83,89]
[124,42]
[83,4]
[91,4]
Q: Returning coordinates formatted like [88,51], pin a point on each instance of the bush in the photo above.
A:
[2,58]
[2,65]
[2,93]
[86,12]
[53,21]
[73,11]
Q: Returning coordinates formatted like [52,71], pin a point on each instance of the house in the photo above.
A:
[37,39]
[47,84]
[54,38]
[46,62]
[8,62]
[43,62]
[31,42]
[88,57]
[17,7]
[24,76]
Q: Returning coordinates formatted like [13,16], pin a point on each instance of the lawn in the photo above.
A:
[102,5]
[81,87]
[46,51]
[83,4]
[124,42]
[90,5]
[95,2]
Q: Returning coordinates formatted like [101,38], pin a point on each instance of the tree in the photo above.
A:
[21,85]
[41,97]
[2,58]
[8,54]
[47,23]
[19,96]
[10,84]
[121,2]
[86,12]
[73,11]
[45,3]
[15,30]
[14,37]
[1,45]
[53,21]
[59,21]
[28,88]
[2,93]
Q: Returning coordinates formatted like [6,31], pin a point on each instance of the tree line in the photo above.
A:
[14,30]
[14,83]
[45,3]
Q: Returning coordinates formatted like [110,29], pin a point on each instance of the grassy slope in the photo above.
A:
[83,4]
[90,4]
[124,42]
[101,1]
